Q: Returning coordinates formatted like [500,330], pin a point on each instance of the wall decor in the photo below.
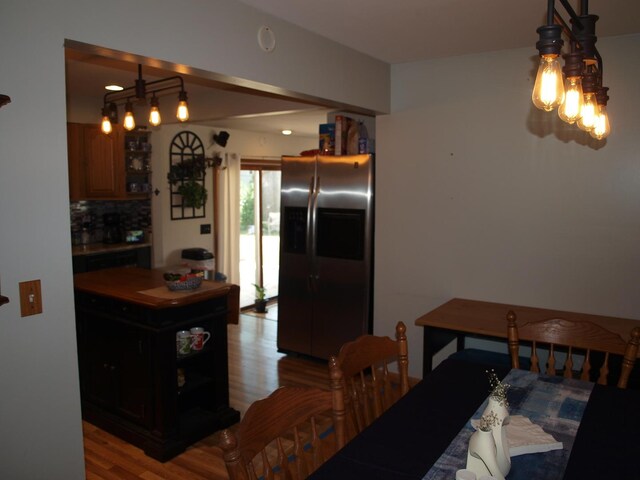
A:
[4,99]
[187,169]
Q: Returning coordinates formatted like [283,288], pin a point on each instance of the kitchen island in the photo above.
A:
[133,382]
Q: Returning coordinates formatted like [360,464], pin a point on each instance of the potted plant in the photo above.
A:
[261,300]
[188,175]
[194,194]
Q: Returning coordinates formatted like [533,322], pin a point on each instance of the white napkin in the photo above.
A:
[526,437]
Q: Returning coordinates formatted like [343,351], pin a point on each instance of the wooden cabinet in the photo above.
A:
[107,167]
[75,146]
[103,162]
[134,384]
[117,367]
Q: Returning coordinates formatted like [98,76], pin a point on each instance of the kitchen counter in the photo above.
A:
[94,248]
[147,288]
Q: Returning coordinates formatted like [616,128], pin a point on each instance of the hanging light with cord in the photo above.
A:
[140,91]
[580,97]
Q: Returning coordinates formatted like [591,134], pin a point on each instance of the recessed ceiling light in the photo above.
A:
[287,132]
[113,88]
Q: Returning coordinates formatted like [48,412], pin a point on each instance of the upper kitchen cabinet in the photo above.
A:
[108,167]
[75,146]
[104,163]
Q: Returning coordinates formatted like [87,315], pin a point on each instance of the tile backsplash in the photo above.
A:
[134,215]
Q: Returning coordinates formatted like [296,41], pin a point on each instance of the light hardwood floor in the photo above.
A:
[255,370]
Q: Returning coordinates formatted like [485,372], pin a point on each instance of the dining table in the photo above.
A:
[409,439]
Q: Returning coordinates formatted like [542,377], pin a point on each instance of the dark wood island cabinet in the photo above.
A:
[133,382]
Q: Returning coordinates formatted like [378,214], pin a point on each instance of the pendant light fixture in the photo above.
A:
[154,113]
[579,94]
[139,92]
[129,122]
[570,108]
[183,111]
[106,121]
[589,107]
[548,91]
[601,126]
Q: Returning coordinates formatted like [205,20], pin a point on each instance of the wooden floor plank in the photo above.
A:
[255,370]
[92,474]
[92,452]
[124,474]
[151,476]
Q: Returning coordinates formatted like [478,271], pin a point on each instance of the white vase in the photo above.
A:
[499,433]
[481,456]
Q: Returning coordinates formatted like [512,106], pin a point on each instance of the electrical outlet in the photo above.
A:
[30,298]
[205,228]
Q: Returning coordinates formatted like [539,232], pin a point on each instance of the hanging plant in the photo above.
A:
[191,169]
[194,194]
[188,175]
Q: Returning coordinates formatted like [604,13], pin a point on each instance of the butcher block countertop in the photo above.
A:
[147,288]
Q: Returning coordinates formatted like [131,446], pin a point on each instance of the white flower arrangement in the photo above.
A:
[498,390]
[488,421]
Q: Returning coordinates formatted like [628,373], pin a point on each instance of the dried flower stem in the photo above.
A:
[488,421]
[498,390]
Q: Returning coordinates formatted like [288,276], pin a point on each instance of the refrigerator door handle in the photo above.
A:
[310,198]
[314,235]
[309,231]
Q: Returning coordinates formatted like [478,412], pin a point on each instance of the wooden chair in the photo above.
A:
[361,370]
[580,337]
[287,435]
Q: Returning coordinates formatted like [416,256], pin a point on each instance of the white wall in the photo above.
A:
[171,236]
[481,196]
[39,405]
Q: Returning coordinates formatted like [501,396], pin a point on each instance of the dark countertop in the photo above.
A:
[128,283]
[94,248]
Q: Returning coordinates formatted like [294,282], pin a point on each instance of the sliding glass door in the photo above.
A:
[259,228]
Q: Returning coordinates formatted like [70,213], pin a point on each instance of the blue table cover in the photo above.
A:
[554,403]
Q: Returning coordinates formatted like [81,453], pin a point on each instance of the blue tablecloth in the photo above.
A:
[554,403]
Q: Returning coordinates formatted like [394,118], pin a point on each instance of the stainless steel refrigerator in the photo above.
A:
[326,253]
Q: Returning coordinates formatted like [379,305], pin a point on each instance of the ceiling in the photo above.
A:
[394,32]
[410,30]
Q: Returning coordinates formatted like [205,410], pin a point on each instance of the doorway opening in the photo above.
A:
[259,229]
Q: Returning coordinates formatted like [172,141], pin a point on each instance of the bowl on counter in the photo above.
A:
[177,282]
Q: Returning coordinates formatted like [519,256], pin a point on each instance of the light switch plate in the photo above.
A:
[30,298]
